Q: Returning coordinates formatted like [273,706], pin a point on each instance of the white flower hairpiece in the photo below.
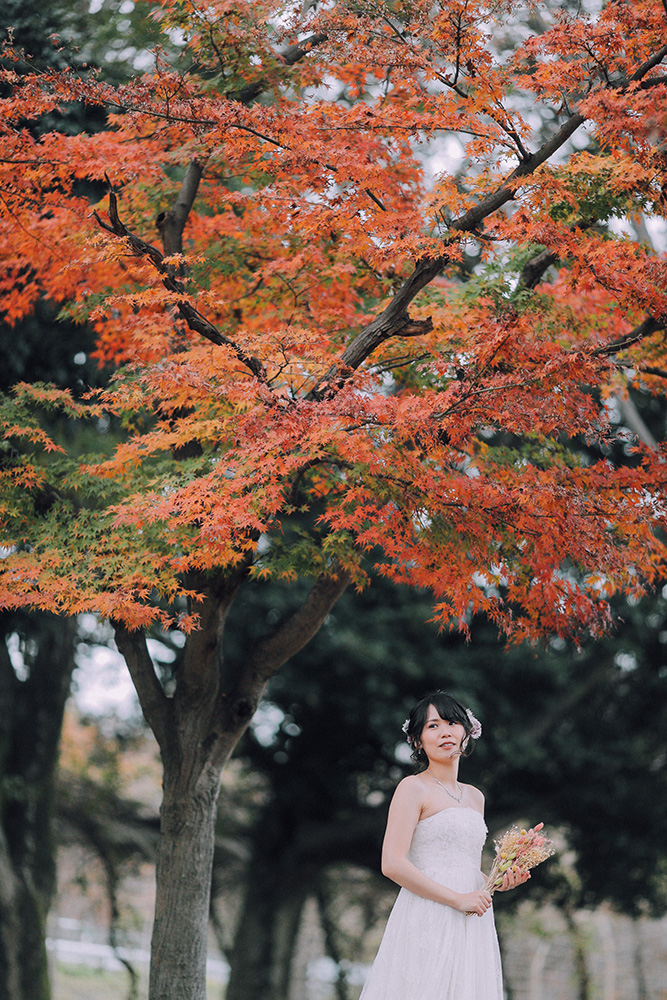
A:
[476,725]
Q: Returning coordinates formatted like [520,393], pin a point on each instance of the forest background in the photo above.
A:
[574,729]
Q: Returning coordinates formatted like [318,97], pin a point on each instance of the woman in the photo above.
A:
[440,941]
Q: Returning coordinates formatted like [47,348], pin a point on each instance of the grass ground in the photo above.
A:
[79,982]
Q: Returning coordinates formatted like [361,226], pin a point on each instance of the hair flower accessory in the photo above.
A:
[406,726]
[476,725]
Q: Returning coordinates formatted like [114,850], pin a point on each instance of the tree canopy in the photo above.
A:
[267,358]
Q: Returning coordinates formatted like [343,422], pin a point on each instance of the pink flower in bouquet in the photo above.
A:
[520,849]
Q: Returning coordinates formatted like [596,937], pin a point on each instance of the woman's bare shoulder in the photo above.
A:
[475,797]
[408,799]
[411,787]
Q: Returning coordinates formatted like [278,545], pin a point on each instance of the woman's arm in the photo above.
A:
[404,813]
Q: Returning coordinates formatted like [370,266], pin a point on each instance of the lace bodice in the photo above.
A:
[451,838]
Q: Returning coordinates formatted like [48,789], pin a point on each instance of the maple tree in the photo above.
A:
[333,351]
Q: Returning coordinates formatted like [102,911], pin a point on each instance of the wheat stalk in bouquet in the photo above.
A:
[522,849]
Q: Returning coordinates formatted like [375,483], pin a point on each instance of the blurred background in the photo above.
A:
[573,737]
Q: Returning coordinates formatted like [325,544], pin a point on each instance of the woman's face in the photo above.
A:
[441,738]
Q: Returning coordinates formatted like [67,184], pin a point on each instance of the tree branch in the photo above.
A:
[394,319]
[390,322]
[632,419]
[290,56]
[201,661]
[652,370]
[171,223]
[296,631]
[647,327]
[193,318]
[155,705]
[656,58]
[534,269]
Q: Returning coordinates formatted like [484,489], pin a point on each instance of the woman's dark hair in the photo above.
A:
[448,708]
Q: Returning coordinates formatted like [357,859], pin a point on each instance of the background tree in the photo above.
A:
[311,232]
[105,816]
[32,702]
[574,737]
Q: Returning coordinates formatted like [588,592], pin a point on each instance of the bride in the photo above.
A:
[440,941]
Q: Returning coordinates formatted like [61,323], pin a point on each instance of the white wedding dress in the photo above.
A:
[431,951]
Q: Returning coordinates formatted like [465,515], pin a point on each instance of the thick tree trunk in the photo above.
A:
[183,886]
[31,712]
[261,961]
[23,959]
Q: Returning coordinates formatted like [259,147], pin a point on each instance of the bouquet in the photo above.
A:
[523,849]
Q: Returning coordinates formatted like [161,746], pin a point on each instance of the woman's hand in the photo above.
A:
[512,878]
[476,902]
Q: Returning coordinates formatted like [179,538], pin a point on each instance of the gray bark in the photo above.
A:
[183,884]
